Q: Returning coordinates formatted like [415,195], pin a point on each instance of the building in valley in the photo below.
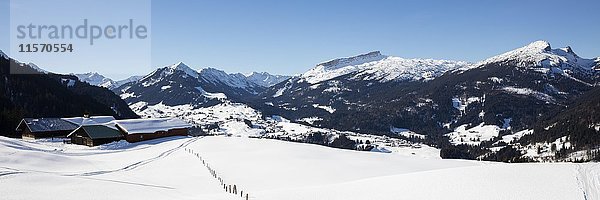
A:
[94,135]
[31,128]
[135,130]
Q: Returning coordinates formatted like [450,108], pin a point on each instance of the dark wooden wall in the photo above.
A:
[149,136]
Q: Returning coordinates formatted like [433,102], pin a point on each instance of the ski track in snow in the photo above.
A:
[93,173]
[142,162]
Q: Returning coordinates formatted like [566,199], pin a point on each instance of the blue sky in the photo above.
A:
[285,37]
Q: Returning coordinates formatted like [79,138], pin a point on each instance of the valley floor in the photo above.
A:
[172,168]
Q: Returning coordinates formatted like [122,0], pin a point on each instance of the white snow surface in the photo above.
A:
[211,95]
[68,82]
[37,68]
[127,80]
[234,80]
[137,126]
[2,54]
[375,66]
[183,67]
[516,136]
[310,120]
[94,78]
[529,92]
[326,108]
[170,168]
[218,113]
[92,120]
[265,79]
[461,103]
[474,135]
[406,133]
[541,54]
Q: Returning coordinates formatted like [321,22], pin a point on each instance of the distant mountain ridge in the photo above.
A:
[504,95]
[97,79]
[516,106]
[179,84]
[265,79]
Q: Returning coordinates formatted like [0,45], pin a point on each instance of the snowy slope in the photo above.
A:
[2,54]
[180,66]
[127,80]
[474,135]
[96,79]
[179,84]
[375,66]
[172,168]
[265,79]
[37,68]
[157,169]
[541,54]
[347,84]
[233,80]
[518,181]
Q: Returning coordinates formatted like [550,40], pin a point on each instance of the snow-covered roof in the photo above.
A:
[98,131]
[141,126]
[63,124]
[47,124]
[93,120]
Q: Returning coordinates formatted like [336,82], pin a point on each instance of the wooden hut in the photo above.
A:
[136,130]
[56,127]
[45,128]
[94,135]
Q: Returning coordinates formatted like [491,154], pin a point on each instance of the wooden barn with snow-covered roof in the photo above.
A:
[44,128]
[96,134]
[56,127]
[135,130]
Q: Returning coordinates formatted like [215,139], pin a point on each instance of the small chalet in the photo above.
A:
[136,130]
[56,127]
[94,135]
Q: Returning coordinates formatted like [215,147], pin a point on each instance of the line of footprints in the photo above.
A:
[230,188]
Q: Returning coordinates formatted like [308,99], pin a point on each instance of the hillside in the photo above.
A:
[51,95]
[270,169]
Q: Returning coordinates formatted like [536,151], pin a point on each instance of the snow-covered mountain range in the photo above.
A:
[179,84]
[505,96]
[375,66]
[342,83]
[238,80]
[97,79]
[541,54]
[498,104]
[265,79]
[37,68]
